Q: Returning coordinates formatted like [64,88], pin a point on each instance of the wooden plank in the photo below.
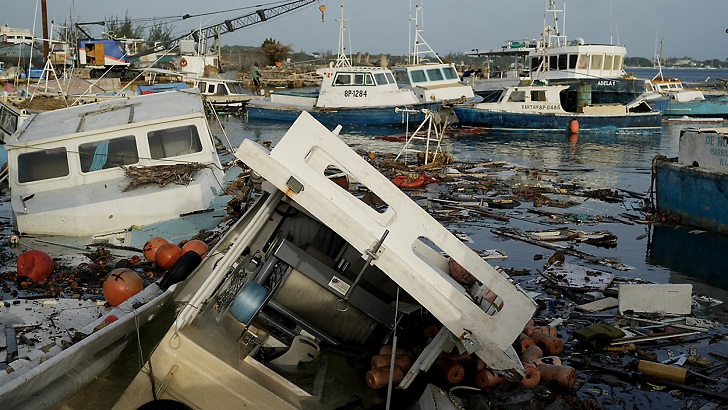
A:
[601,304]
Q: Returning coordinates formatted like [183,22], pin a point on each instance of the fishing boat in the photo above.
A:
[280,311]
[17,48]
[693,186]
[558,60]
[674,100]
[223,95]
[348,95]
[107,166]
[555,108]
[430,81]
[56,345]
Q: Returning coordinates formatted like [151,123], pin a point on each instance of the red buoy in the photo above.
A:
[574,126]
[150,248]
[35,265]
[195,245]
[120,285]
[167,255]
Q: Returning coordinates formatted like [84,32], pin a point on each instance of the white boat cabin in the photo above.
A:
[351,87]
[433,82]
[66,175]
[674,89]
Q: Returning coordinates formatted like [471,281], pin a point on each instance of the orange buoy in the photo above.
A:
[531,353]
[574,126]
[120,285]
[378,378]
[35,265]
[532,377]
[167,254]
[488,378]
[195,245]
[150,248]
[564,376]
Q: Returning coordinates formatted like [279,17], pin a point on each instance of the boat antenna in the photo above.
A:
[341,59]
[659,64]
[420,47]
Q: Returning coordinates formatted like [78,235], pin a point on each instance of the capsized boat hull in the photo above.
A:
[505,120]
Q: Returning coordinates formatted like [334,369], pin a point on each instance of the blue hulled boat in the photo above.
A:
[553,108]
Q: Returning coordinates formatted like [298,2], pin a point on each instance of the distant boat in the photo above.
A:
[553,108]
[693,187]
[559,61]
[17,48]
[360,95]
[69,167]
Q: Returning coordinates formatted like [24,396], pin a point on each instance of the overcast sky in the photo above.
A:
[694,28]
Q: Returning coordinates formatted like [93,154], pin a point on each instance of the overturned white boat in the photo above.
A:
[312,270]
[71,169]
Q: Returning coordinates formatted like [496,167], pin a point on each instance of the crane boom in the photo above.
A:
[227,26]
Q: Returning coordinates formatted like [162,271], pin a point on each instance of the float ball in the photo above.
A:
[150,248]
[35,265]
[195,245]
[167,255]
[121,284]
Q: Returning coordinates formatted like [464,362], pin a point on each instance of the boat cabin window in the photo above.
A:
[535,63]
[538,95]
[237,88]
[450,73]
[583,62]
[342,79]
[382,79]
[553,62]
[618,63]
[202,85]
[563,62]
[222,89]
[8,120]
[390,77]
[434,74]
[572,61]
[106,154]
[172,142]
[596,62]
[517,96]
[44,164]
[418,76]
[608,62]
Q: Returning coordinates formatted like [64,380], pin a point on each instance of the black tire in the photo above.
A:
[164,405]
[181,269]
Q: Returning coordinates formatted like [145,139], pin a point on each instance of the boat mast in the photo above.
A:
[341,59]
[419,40]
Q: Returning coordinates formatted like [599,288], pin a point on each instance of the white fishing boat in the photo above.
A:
[311,274]
[76,171]
[361,95]
[430,81]
[558,60]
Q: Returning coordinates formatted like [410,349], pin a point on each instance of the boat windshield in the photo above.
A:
[108,153]
[381,78]
[418,76]
[42,164]
[172,142]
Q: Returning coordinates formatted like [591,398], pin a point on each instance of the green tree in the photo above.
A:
[123,28]
[161,32]
[275,51]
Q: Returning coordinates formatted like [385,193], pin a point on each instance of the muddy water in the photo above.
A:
[614,161]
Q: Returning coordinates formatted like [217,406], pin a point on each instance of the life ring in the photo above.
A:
[183,62]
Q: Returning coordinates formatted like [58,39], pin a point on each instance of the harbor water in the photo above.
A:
[614,161]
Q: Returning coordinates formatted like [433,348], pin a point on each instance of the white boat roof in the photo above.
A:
[122,112]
